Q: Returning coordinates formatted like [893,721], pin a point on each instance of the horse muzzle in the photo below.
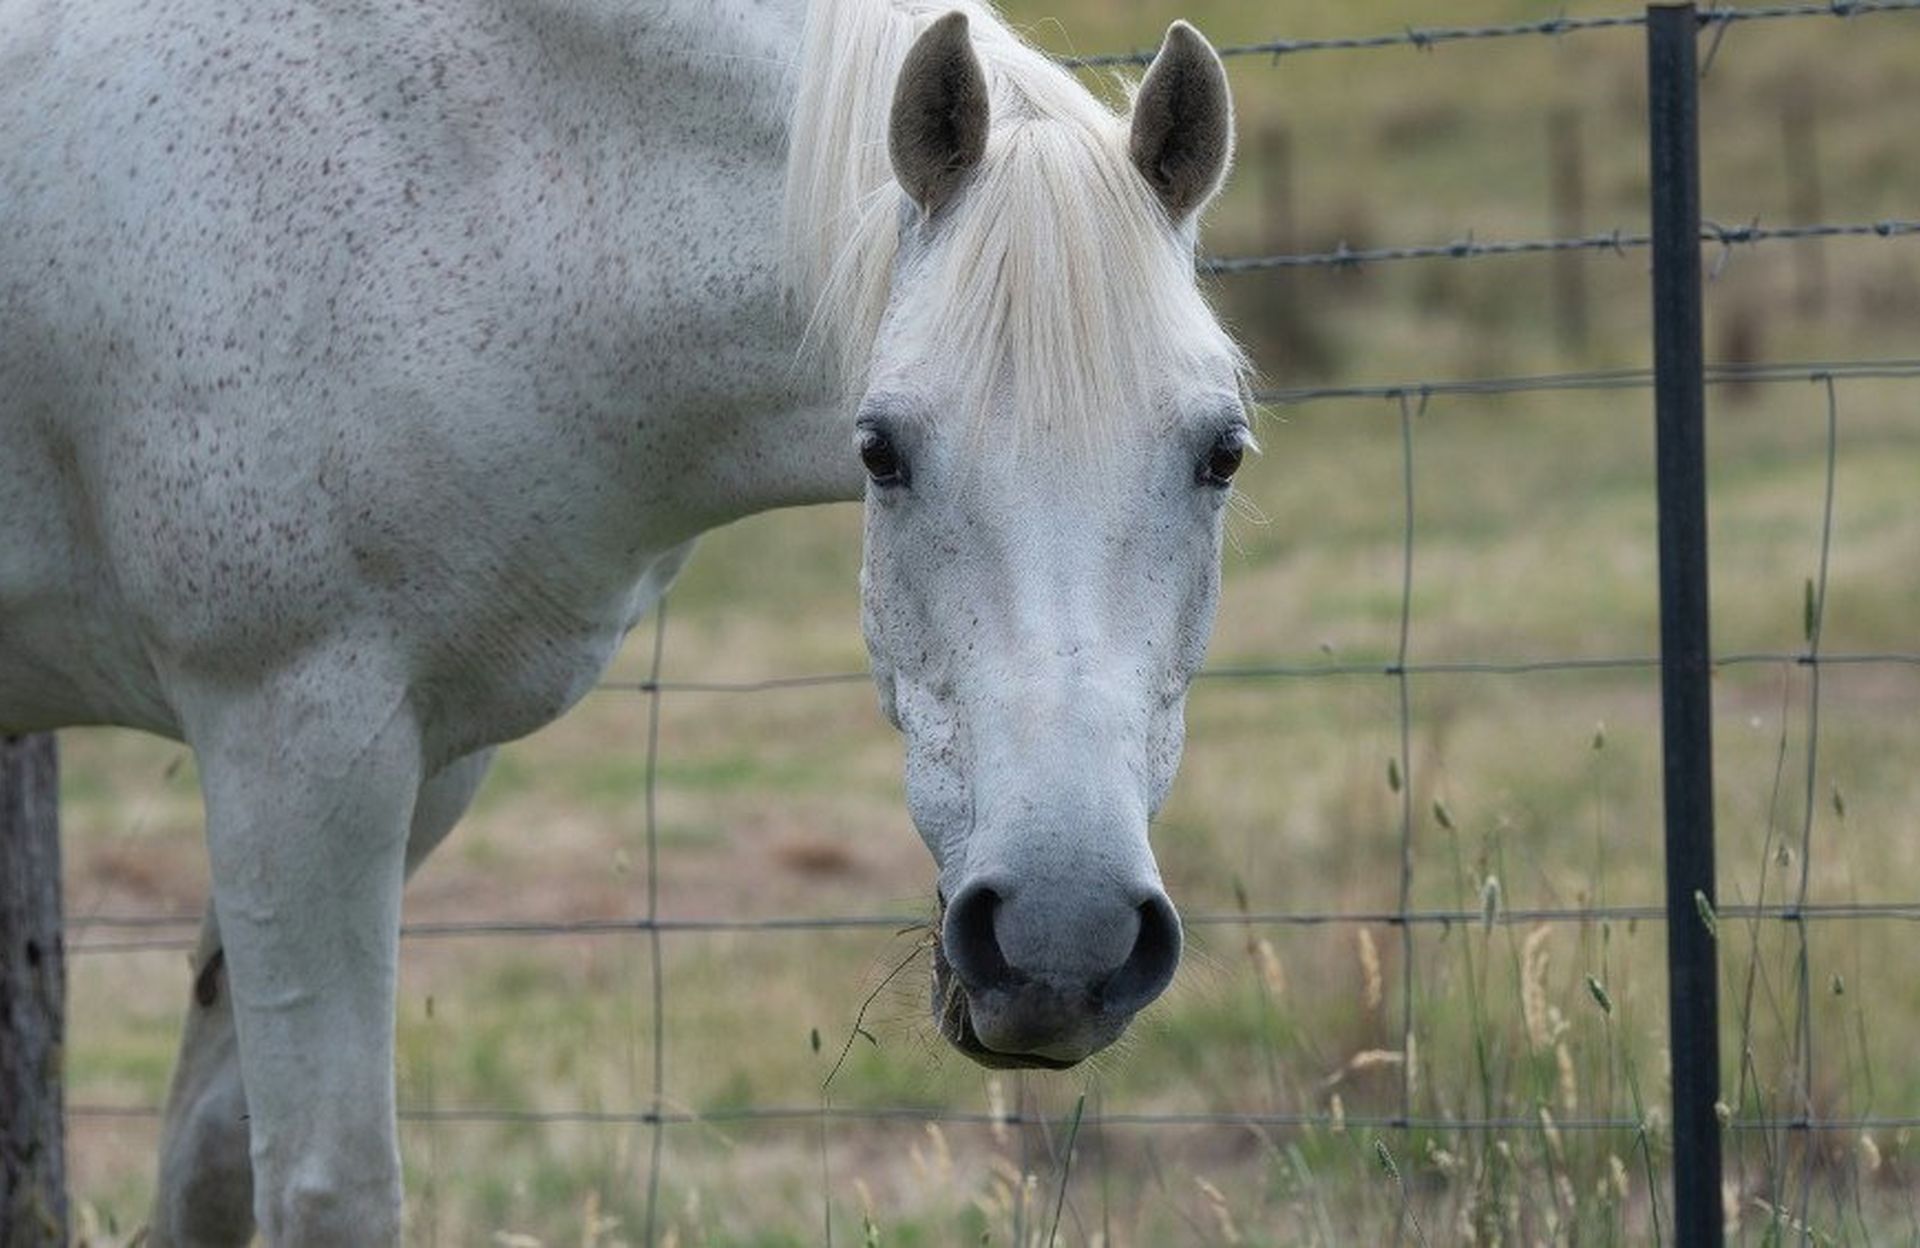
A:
[1025,980]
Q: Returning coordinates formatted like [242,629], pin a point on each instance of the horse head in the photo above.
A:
[1050,420]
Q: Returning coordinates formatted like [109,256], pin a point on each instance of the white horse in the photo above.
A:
[367,370]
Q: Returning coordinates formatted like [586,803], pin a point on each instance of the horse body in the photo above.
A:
[367,371]
[434,330]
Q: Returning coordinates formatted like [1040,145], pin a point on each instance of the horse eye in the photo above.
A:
[881,459]
[1223,460]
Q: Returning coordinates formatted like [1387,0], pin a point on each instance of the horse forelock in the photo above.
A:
[1054,285]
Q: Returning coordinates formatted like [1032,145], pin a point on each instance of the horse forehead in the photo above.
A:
[1032,507]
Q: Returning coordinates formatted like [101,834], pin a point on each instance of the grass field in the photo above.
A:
[1534,539]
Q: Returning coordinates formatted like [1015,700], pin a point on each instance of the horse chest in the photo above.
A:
[498,674]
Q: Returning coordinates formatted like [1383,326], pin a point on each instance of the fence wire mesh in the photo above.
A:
[1794,910]
[1784,901]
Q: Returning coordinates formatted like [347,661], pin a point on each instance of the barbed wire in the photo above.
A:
[1426,38]
[1618,241]
[1759,373]
[754,1114]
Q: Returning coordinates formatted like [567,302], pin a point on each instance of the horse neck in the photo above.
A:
[703,92]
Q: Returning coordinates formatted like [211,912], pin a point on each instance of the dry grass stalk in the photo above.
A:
[934,1164]
[1552,1131]
[865,1194]
[1371,982]
[1569,1083]
[596,1229]
[1617,1172]
[1272,974]
[997,1109]
[1465,1225]
[1535,958]
[1369,1059]
[1365,1059]
[1222,1215]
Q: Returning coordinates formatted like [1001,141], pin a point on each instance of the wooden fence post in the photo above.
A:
[33,995]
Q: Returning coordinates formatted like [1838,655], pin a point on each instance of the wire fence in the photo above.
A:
[1618,241]
[1793,910]
[1717,18]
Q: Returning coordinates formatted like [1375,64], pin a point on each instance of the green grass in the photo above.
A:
[1534,539]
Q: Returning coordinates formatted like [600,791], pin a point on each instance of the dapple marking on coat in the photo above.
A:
[366,372]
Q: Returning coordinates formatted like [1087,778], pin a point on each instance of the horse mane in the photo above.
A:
[1062,282]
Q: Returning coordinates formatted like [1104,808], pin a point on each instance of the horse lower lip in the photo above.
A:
[968,1042]
[956,1024]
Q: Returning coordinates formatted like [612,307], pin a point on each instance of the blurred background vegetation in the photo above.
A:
[1534,522]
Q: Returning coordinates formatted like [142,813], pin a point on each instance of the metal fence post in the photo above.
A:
[1685,656]
[33,989]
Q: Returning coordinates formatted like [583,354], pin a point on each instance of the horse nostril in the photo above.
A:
[972,948]
[1149,968]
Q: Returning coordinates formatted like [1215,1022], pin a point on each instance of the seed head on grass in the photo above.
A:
[1369,1059]
[1551,1131]
[1371,983]
[1222,1214]
[1708,919]
[1617,1173]
[1272,974]
[1384,1156]
[1601,997]
[1569,1084]
[1535,958]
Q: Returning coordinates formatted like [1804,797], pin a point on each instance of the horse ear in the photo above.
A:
[938,130]
[1182,133]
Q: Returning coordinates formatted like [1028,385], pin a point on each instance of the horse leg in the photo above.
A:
[205,1194]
